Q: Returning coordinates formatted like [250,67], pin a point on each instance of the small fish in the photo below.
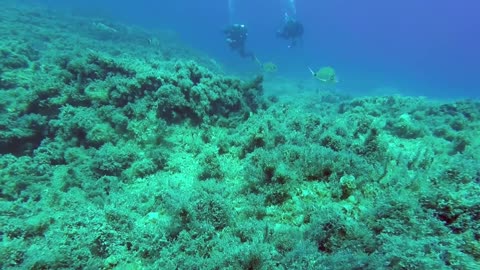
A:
[269,67]
[325,74]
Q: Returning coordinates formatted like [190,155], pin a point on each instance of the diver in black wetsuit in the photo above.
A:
[292,30]
[236,36]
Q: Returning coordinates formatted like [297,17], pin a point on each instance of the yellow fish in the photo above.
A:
[325,74]
[269,67]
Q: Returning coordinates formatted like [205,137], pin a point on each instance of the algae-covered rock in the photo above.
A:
[10,60]
[405,127]
[202,97]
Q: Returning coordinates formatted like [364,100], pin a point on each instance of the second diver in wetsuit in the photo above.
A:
[292,30]
[236,37]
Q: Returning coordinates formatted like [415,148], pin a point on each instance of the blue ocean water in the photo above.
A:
[418,47]
[119,152]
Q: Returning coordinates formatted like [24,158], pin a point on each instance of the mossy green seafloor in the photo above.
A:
[122,153]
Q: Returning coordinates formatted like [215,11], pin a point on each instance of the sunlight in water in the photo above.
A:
[292,7]
[231,10]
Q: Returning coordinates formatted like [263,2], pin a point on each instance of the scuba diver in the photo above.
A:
[292,30]
[236,36]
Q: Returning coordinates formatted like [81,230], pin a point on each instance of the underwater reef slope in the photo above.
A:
[124,149]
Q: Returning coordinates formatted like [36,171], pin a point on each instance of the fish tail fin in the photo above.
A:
[257,60]
[311,71]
